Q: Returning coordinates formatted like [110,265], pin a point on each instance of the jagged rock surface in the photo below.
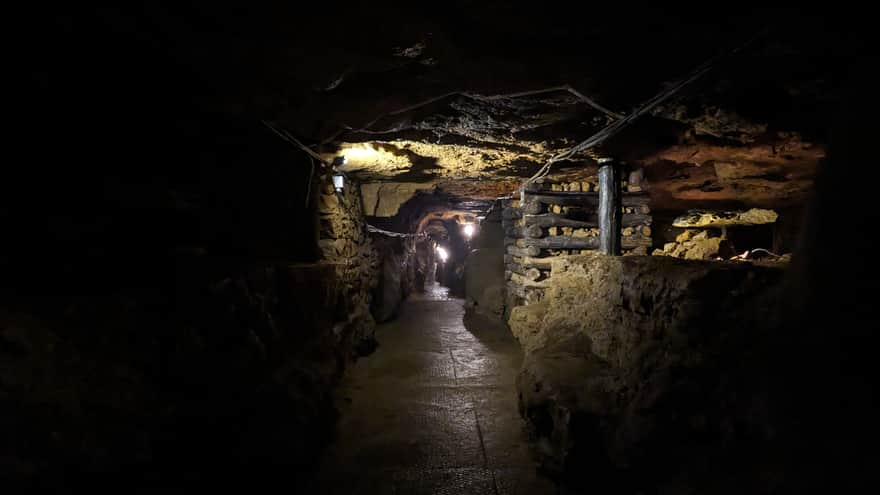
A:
[625,353]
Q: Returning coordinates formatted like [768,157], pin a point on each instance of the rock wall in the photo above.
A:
[637,373]
[346,245]
[484,267]
[694,244]
[404,264]
[383,199]
[181,330]
[379,268]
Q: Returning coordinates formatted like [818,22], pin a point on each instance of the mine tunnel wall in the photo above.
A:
[484,267]
[405,264]
[659,375]
[161,330]
[628,356]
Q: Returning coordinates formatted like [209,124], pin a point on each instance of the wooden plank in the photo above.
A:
[567,242]
[547,220]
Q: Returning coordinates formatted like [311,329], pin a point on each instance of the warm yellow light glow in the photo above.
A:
[442,253]
[364,152]
[468,230]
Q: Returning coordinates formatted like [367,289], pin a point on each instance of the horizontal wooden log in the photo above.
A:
[511,213]
[566,242]
[583,199]
[509,241]
[526,272]
[547,220]
[538,187]
[523,281]
[533,231]
[524,251]
[529,294]
[517,231]
[529,262]
[531,207]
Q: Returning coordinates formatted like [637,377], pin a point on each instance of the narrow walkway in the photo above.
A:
[433,410]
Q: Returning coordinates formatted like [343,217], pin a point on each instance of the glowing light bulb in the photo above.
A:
[442,253]
[468,230]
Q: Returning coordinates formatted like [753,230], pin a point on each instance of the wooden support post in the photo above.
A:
[609,208]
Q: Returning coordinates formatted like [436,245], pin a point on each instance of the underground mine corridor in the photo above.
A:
[452,247]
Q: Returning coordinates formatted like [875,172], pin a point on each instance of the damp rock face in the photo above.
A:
[626,356]
[484,267]
[383,199]
[705,218]
[484,280]
[398,275]
[697,245]
[196,332]
[346,246]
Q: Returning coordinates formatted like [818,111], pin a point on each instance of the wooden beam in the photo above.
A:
[566,242]
[533,231]
[518,232]
[529,262]
[511,213]
[553,220]
[585,199]
[528,273]
[609,208]
[531,207]
[524,251]
[525,281]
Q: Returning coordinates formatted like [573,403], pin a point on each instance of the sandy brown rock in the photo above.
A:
[706,218]
[600,347]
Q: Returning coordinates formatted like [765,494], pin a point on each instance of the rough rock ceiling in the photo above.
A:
[358,76]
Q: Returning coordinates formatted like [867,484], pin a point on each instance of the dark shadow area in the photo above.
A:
[182,291]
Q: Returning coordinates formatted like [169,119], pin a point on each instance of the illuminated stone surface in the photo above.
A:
[433,410]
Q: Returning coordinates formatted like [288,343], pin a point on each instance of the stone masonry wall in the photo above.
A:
[345,244]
